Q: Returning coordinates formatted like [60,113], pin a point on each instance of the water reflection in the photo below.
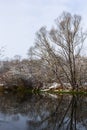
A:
[43,112]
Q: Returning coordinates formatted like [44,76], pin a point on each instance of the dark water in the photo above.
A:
[43,112]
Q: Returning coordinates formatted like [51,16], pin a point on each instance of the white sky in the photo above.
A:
[20,19]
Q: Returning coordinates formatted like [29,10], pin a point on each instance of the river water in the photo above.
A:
[43,112]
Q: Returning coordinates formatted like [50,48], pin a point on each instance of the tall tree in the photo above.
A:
[61,46]
[69,38]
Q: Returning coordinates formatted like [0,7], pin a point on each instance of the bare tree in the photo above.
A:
[69,38]
[60,47]
[45,51]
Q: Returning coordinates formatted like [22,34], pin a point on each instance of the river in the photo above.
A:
[22,111]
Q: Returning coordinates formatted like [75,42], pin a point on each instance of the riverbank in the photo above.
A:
[40,91]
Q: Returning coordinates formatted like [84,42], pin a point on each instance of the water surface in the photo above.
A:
[43,112]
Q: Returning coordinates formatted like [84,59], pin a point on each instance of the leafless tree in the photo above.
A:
[69,38]
[60,47]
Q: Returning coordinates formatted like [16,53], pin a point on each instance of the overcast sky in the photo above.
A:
[20,19]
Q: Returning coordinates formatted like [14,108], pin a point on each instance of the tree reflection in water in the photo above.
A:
[65,116]
[42,112]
